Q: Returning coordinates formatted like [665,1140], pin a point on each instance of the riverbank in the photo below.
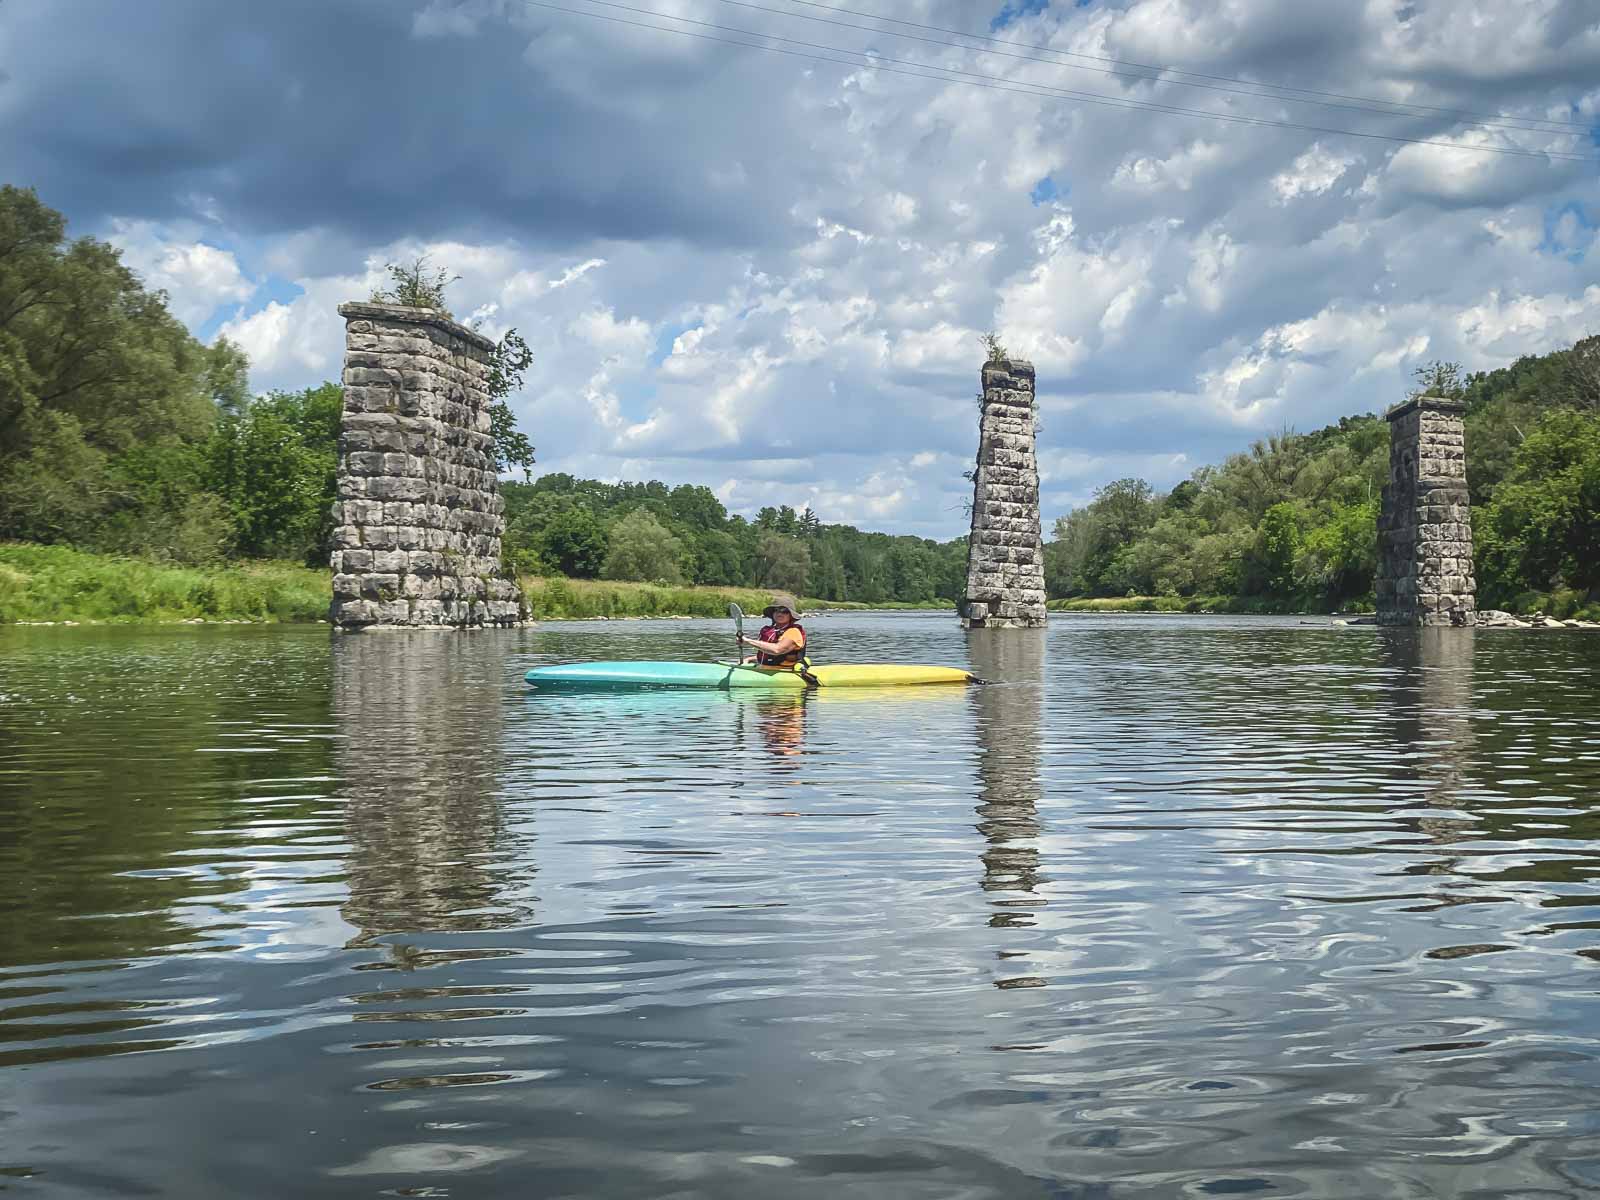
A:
[59,584]
[561,599]
[1534,607]
[1252,605]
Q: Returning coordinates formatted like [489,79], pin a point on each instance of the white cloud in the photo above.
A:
[818,259]
[197,277]
[614,339]
[1179,170]
[1512,326]
[1312,174]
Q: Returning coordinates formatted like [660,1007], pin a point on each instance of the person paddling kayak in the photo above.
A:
[782,643]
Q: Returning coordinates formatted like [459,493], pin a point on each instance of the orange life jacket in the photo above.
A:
[787,659]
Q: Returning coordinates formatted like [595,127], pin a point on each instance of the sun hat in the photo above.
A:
[782,600]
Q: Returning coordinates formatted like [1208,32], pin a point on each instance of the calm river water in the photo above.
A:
[1174,907]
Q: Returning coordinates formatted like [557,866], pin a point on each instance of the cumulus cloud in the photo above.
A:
[197,277]
[1311,174]
[768,274]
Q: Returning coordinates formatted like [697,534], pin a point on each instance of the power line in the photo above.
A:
[1529,124]
[1579,128]
[921,70]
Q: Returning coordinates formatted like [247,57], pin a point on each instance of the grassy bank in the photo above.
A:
[56,583]
[558,599]
[1261,605]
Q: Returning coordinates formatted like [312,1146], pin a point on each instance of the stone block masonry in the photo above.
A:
[1425,572]
[418,519]
[1005,553]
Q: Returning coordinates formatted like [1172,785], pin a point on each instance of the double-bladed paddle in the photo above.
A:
[737,614]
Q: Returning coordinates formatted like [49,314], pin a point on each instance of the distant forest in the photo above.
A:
[122,433]
[584,528]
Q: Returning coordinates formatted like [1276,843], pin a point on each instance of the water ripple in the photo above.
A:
[1174,907]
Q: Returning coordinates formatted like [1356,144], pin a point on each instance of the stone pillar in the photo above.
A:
[1005,553]
[419,516]
[1425,573]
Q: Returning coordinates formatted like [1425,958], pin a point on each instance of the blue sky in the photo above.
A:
[768,274]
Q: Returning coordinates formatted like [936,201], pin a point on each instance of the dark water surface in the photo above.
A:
[1178,907]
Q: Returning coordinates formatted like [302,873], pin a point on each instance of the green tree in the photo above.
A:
[1270,568]
[642,548]
[509,359]
[1439,378]
[274,465]
[575,543]
[1339,557]
[782,562]
[1543,528]
[697,507]
[415,285]
[92,365]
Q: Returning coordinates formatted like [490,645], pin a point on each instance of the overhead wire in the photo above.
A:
[922,70]
[1355,104]
[1161,71]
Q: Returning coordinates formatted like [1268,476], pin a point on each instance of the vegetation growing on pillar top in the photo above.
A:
[416,285]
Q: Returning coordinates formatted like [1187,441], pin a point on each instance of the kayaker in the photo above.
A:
[782,642]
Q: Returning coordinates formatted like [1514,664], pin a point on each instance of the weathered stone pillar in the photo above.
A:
[419,515]
[1425,573]
[1005,553]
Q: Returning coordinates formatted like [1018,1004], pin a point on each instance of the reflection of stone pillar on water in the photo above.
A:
[1425,573]
[1010,743]
[1005,551]
[1432,695]
[418,518]
[421,718]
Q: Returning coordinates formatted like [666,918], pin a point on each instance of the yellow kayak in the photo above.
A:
[731,675]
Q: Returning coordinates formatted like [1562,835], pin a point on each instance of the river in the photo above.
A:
[1171,907]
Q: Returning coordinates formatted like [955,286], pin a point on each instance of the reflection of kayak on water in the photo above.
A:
[728,676]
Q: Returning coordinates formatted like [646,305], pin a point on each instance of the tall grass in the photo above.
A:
[57,583]
[558,599]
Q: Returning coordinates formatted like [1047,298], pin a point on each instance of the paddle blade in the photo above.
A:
[736,612]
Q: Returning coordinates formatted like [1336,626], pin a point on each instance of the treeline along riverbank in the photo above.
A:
[1290,524]
[167,489]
